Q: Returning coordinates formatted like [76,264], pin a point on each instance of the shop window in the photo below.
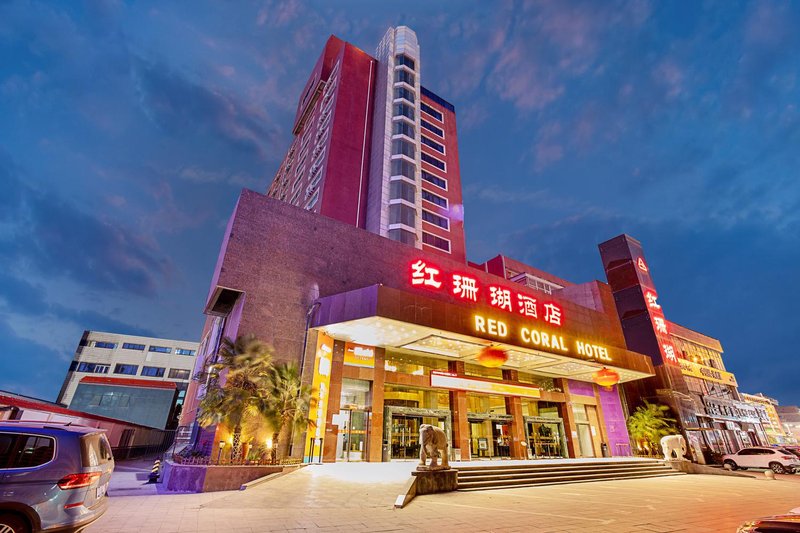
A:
[414,397]
[485,404]
[482,371]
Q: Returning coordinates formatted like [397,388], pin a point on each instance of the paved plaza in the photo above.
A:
[360,497]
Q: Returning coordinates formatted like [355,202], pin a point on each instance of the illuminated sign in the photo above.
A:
[320,389]
[447,380]
[359,355]
[429,276]
[641,264]
[542,340]
[690,368]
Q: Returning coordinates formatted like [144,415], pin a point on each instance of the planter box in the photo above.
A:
[211,478]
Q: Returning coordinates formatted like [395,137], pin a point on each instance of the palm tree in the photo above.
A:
[286,404]
[244,364]
[649,423]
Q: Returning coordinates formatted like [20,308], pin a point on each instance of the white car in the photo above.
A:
[779,461]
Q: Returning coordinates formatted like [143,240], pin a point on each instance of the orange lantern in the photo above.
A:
[492,357]
[605,377]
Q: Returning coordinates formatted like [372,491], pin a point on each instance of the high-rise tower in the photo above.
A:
[374,148]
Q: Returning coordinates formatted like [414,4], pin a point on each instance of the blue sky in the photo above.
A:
[127,131]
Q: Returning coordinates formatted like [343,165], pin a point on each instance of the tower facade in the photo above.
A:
[374,148]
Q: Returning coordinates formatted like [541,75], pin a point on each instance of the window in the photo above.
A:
[93,368]
[403,76]
[152,371]
[25,451]
[401,127]
[184,351]
[431,111]
[433,129]
[403,168]
[434,198]
[433,161]
[436,242]
[403,110]
[403,147]
[131,346]
[402,59]
[160,349]
[404,92]
[404,190]
[435,219]
[432,144]
[402,214]
[177,373]
[126,369]
[102,344]
[73,366]
[313,201]
[436,180]
[404,236]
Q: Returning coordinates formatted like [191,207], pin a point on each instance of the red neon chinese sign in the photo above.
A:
[429,276]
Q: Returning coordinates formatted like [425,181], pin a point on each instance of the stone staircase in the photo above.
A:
[498,476]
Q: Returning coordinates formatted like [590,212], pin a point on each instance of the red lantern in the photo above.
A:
[605,377]
[492,357]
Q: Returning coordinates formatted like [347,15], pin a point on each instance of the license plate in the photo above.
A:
[101,490]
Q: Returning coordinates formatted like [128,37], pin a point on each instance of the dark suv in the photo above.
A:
[53,477]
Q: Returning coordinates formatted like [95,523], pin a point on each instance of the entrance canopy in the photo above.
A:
[408,322]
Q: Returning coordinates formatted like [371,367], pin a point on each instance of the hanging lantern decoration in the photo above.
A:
[492,357]
[605,377]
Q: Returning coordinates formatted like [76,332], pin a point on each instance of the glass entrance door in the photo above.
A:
[544,439]
[352,443]
[585,440]
[404,438]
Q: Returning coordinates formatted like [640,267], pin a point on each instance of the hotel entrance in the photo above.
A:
[402,428]
[353,420]
[545,437]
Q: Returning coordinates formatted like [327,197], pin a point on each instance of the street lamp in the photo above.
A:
[221,446]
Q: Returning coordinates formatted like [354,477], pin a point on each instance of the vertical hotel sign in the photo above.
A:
[319,406]
[645,326]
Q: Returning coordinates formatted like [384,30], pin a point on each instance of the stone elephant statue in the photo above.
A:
[433,444]
[673,443]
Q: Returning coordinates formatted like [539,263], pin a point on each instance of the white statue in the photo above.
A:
[433,443]
[673,443]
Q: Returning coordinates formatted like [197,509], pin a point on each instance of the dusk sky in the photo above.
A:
[127,131]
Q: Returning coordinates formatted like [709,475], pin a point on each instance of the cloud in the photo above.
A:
[179,107]
[53,237]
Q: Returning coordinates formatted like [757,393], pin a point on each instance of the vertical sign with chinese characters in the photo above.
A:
[646,329]
[320,389]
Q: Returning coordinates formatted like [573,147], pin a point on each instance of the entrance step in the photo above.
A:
[497,476]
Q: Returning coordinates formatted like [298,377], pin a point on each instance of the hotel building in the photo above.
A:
[368,289]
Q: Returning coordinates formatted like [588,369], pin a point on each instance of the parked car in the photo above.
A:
[54,476]
[780,461]
[786,523]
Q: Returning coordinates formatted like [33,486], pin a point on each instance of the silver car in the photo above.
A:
[53,477]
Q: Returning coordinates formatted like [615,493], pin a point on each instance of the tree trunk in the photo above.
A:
[236,451]
[283,441]
[273,452]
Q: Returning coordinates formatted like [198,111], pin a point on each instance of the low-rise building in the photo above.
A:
[790,418]
[129,377]
[775,431]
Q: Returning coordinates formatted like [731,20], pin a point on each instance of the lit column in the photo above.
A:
[514,408]
[458,409]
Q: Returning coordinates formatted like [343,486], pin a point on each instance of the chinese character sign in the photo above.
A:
[429,276]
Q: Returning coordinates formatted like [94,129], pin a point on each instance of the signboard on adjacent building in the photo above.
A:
[690,368]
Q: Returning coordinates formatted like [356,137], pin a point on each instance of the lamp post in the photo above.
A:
[221,446]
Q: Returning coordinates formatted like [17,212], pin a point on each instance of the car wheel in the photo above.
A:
[777,468]
[729,465]
[12,523]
